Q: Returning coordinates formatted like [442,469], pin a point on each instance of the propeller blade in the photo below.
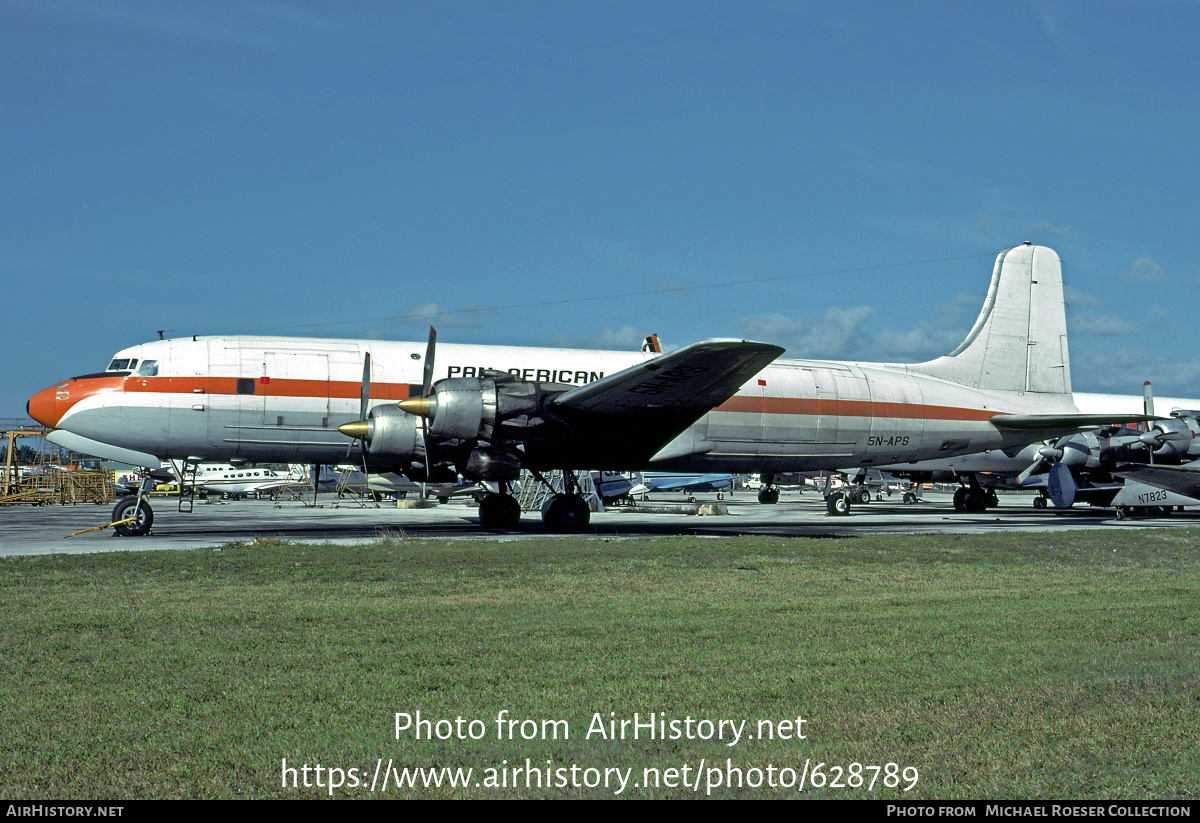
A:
[1061,484]
[420,406]
[364,401]
[427,383]
[1147,398]
[358,429]
[1034,468]
[365,396]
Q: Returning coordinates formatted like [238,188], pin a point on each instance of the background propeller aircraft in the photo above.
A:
[1081,466]
[713,406]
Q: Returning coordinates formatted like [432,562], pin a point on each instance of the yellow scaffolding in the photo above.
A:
[45,482]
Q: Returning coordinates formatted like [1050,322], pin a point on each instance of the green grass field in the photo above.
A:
[1002,666]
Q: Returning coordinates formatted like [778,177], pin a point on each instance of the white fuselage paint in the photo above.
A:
[796,414]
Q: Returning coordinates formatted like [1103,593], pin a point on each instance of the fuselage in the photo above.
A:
[277,399]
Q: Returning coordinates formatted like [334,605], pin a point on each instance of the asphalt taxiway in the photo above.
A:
[44,530]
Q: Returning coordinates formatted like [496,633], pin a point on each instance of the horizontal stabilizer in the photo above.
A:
[1065,422]
[1045,426]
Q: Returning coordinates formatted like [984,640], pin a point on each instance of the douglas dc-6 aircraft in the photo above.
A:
[713,406]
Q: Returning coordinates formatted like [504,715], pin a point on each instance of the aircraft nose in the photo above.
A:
[43,407]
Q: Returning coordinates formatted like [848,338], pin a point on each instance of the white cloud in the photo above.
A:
[1075,297]
[837,334]
[962,310]
[626,338]
[1061,232]
[1145,270]
[1102,324]
[1111,326]
[1122,371]
[431,314]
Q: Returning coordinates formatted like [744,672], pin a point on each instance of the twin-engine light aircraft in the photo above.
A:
[714,406]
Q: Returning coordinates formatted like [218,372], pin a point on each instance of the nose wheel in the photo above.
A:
[140,512]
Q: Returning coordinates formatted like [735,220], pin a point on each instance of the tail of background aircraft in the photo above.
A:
[1019,342]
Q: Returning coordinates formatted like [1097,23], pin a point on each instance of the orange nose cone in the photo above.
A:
[43,407]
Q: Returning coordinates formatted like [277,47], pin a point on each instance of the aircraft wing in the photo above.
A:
[699,482]
[630,415]
[696,378]
[1183,480]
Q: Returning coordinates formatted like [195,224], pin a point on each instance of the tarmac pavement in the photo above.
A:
[29,530]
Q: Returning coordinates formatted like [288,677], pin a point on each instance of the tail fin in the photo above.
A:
[1019,342]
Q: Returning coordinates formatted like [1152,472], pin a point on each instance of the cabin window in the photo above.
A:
[245,385]
[149,368]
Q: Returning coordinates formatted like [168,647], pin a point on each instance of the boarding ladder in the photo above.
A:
[187,486]
[357,492]
[298,489]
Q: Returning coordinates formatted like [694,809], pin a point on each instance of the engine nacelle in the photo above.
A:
[1174,438]
[473,408]
[393,434]
[1078,451]
[460,406]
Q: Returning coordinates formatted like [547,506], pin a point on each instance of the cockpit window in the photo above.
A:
[149,368]
[119,364]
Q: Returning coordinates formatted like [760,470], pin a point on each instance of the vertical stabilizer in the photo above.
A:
[1019,341]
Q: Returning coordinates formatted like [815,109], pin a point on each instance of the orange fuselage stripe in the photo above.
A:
[746,404]
[272,387]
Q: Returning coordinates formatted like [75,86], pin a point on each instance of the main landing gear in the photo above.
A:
[974,499]
[499,511]
[565,513]
[769,493]
[838,504]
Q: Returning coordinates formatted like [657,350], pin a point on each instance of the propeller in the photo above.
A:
[1047,456]
[364,400]
[1060,456]
[426,390]
[358,429]
[1071,451]
[420,406]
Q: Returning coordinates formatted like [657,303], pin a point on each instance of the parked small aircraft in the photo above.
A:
[713,406]
[690,482]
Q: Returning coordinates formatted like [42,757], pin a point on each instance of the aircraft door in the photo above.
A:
[234,404]
[294,387]
[847,414]
[789,409]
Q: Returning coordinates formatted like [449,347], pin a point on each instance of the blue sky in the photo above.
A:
[833,177]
